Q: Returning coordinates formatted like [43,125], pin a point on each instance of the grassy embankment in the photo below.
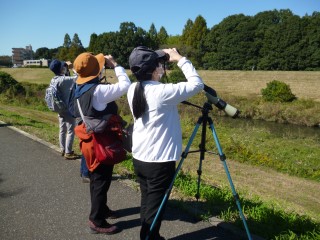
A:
[269,198]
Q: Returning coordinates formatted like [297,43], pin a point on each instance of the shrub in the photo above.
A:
[132,78]
[277,91]
[9,86]
[176,76]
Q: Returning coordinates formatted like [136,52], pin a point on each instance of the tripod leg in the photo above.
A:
[167,194]
[234,193]
[202,148]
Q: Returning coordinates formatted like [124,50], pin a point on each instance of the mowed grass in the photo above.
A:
[304,84]
[31,75]
[249,83]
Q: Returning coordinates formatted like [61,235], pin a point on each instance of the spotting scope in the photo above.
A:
[212,97]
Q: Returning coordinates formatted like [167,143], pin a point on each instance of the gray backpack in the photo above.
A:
[53,97]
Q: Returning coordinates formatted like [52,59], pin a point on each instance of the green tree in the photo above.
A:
[309,45]
[230,45]
[174,40]
[198,31]
[42,53]
[289,37]
[5,61]
[153,37]
[63,54]
[75,49]
[186,32]
[93,42]
[54,53]
[162,36]
[67,41]
[265,38]
[127,39]
[70,50]
[76,41]
[63,51]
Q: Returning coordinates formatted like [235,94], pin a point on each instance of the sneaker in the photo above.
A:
[71,156]
[85,179]
[111,215]
[107,229]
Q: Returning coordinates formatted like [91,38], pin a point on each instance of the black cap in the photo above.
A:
[143,59]
[56,66]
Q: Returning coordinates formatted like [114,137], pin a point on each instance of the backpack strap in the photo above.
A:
[80,110]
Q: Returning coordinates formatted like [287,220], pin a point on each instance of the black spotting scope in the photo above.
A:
[219,103]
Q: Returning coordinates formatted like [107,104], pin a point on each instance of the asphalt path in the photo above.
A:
[42,197]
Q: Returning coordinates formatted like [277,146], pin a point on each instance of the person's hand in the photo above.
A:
[69,64]
[110,62]
[173,53]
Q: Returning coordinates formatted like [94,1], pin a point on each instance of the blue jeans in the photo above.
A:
[84,171]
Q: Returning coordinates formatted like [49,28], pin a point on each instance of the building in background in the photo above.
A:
[40,63]
[20,54]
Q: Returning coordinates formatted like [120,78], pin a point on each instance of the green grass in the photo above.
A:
[295,156]
[260,146]
[30,75]
[265,219]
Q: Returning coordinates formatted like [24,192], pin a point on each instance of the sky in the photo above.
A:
[42,23]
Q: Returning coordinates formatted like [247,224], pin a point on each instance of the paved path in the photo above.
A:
[42,197]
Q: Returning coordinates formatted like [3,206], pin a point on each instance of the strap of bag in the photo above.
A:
[81,113]
[94,124]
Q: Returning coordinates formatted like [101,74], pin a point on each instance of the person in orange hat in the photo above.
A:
[98,100]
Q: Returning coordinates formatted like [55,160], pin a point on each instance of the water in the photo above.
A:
[277,129]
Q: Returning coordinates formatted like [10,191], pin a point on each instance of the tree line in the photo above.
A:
[269,40]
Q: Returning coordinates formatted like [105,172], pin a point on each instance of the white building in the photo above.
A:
[41,63]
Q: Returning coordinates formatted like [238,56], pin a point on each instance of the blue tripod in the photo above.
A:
[203,120]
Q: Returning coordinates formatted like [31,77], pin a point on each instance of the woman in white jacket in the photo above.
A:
[157,137]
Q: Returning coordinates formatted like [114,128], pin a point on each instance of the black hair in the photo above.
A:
[139,102]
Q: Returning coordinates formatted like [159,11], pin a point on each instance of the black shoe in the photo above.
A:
[111,215]
[107,229]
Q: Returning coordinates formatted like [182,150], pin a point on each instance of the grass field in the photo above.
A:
[247,83]
[237,83]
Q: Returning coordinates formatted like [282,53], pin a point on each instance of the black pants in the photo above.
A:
[154,179]
[100,181]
